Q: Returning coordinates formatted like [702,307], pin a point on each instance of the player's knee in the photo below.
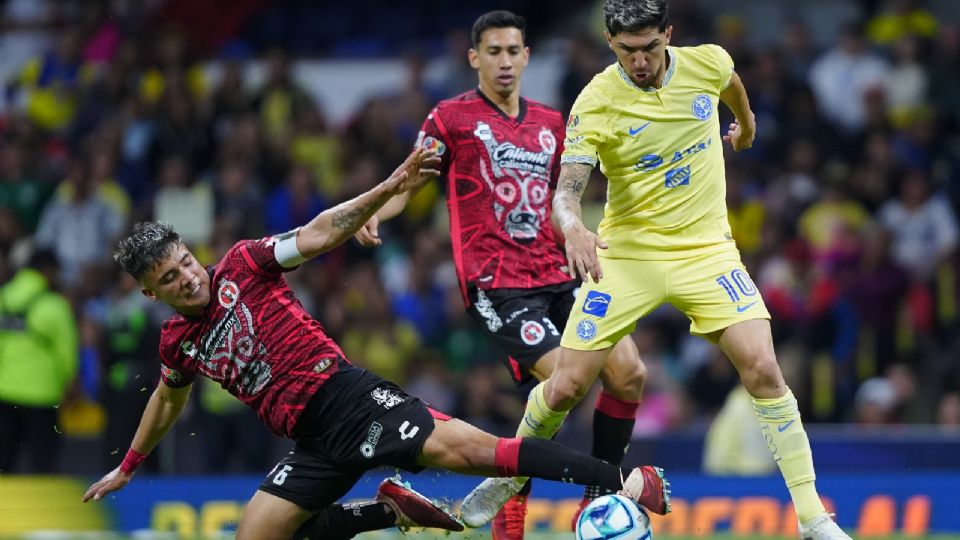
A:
[627,381]
[762,374]
[566,391]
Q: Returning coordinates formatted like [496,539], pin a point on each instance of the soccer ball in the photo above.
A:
[613,517]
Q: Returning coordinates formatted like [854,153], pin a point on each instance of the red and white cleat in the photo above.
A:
[648,487]
[413,509]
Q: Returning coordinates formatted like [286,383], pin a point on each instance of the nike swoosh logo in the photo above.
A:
[634,131]
[741,309]
[784,427]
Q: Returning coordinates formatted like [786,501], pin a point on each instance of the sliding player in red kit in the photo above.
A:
[239,324]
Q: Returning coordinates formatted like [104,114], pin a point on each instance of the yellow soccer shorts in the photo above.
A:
[713,290]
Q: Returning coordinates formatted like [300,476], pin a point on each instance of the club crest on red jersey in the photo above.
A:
[547,141]
[532,332]
[228,293]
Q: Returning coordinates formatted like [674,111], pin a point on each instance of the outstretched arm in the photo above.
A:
[369,234]
[334,226]
[165,405]
[744,129]
[581,244]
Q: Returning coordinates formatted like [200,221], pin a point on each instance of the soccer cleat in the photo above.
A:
[413,509]
[822,527]
[487,499]
[647,486]
[508,524]
[576,515]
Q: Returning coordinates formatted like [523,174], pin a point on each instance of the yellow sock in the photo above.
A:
[539,420]
[783,430]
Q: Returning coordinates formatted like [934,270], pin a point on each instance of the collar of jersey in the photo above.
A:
[666,77]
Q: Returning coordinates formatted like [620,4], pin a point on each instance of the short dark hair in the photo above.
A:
[634,15]
[148,243]
[498,19]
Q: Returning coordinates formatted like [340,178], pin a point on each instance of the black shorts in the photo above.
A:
[356,422]
[524,323]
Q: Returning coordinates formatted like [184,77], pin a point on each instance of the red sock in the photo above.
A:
[507,456]
[615,407]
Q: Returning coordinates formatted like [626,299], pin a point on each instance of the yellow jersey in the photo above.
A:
[662,153]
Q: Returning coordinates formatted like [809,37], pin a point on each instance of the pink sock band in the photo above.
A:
[507,456]
[616,407]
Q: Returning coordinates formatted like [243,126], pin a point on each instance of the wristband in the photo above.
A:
[131,461]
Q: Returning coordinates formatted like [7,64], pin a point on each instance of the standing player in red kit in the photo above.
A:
[239,324]
[501,158]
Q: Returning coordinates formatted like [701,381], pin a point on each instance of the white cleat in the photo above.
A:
[822,527]
[487,499]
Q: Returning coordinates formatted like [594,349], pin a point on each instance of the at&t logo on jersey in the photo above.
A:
[596,304]
[586,330]
[369,446]
[702,107]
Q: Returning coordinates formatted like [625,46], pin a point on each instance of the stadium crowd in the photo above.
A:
[845,212]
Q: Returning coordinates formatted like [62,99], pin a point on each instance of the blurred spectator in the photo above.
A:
[877,290]
[51,83]
[294,203]
[20,191]
[923,225]
[129,343]
[797,186]
[179,129]
[233,438]
[799,50]
[901,18]
[458,75]
[172,69]
[906,88]
[944,64]
[182,200]
[373,337]
[948,411]
[78,224]
[875,402]
[237,199]
[279,103]
[230,99]
[732,445]
[316,148]
[39,339]
[585,59]
[745,212]
[842,77]
[834,214]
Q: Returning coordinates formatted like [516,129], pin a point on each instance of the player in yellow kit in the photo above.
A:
[651,122]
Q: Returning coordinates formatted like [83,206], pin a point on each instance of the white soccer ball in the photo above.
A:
[613,517]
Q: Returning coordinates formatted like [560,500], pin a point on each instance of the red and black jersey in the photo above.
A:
[500,174]
[254,338]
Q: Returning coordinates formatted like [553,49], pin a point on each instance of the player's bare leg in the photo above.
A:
[268,517]
[484,502]
[614,414]
[749,345]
